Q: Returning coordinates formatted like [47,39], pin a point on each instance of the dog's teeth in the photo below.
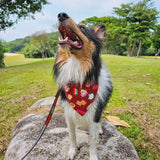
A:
[66,39]
[76,42]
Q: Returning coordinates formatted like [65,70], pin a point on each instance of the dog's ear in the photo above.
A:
[100,30]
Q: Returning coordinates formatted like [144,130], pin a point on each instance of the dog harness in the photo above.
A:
[82,96]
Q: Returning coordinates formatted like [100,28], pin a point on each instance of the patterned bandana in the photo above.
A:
[80,97]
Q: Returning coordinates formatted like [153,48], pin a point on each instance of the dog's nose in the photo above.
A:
[62,16]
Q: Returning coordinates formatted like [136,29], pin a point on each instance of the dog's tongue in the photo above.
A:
[69,37]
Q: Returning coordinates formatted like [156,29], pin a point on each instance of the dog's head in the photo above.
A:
[82,42]
[79,37]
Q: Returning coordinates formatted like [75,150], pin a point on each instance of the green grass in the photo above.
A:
[136,79]
[21,86]
[135,134]
[18,60]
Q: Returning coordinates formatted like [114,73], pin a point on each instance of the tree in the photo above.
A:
[137,20]
[113,37]
[40,46]
[129,32]
[16,45]
[13,10]
[53,44]
[156,39]
[40,39]
[30,51]
[145,17]
[93,21]
[1,55]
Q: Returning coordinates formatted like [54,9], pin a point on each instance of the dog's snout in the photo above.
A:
[62,16]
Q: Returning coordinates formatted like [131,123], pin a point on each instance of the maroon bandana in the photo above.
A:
[80,97]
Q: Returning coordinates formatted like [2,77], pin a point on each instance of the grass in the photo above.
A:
[135,98]
[136,136]
[136,79]
[18,60]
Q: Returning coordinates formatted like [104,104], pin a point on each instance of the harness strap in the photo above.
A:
[46,122]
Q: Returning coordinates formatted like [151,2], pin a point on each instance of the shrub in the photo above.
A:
[1,55]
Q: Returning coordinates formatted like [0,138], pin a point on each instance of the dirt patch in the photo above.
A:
[148,122]
[41,110]
[22,98]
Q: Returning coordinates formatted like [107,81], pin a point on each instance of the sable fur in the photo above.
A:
[82,64]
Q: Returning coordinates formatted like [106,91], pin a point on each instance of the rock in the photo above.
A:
[54,144]
[47,102]
[43,106]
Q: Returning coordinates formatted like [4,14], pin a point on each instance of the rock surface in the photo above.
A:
[54,144]
[43,106]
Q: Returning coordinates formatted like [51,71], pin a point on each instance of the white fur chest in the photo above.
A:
[70,71]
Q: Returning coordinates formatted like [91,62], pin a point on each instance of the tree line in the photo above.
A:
[132,31]
[41,45]
[11,11]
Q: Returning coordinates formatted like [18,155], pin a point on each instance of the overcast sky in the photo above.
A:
[77,9]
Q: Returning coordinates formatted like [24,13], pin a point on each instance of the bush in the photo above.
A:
[1,55]
[30,51]
[150,51]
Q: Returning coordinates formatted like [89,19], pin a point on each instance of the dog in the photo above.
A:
[85,83]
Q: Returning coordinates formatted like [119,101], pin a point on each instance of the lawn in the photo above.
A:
[18,60]
[135,98]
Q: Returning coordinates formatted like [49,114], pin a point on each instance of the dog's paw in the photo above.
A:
[72,153]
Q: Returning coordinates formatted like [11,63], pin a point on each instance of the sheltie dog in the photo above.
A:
[86,84]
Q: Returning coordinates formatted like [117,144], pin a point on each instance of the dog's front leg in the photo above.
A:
[94,138]
[72,135]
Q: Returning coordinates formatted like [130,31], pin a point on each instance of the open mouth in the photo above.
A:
[70,38]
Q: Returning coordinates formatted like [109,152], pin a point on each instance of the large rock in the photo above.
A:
[54,144]
[43,106]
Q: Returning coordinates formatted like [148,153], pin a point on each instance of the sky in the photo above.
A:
[77,9]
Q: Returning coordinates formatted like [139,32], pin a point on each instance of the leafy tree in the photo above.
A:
[13,10]
[124,14]
[40,46]
[137,20]
[53,44]
[150,51]
[93,21]
[31,51]
[113,37]
[114,40]
[156,39]
[40,40]
[145,17]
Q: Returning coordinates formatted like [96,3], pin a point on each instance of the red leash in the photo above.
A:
[46,122]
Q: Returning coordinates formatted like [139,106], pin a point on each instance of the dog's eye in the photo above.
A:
[82,27]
